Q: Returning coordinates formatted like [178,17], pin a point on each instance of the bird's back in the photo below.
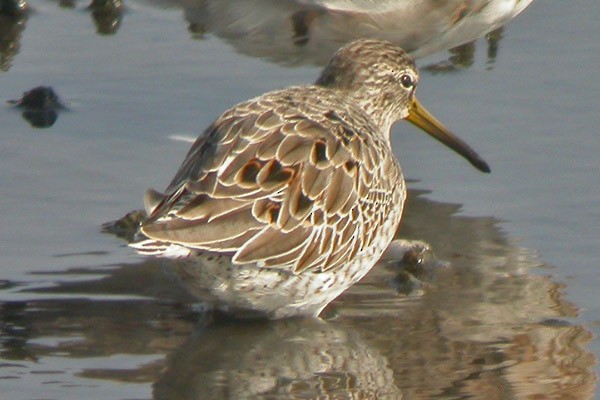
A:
[294,179]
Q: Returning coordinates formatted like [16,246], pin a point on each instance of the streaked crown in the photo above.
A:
[377,76]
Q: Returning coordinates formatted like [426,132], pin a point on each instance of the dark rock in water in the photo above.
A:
[41,97]
[41,106]
[13,8]
[127,226]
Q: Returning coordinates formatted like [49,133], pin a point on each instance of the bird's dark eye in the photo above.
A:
[407,81]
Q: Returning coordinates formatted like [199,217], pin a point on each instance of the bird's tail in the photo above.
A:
[152,247]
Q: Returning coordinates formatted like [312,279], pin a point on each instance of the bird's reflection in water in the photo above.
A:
[107,15]
[463,56]
[297,358]
[485,324]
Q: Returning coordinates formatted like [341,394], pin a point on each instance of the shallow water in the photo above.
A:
[512,313]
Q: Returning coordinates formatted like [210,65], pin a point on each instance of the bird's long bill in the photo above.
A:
[420,117]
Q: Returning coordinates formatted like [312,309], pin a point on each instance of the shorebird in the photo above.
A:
[289,198]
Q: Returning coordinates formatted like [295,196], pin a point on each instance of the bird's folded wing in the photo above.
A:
[274,187]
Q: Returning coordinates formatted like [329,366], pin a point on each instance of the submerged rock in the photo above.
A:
[41,105]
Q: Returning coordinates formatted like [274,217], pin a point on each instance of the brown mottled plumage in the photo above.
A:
[291,197]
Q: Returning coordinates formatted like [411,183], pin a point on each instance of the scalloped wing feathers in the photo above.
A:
[277,182]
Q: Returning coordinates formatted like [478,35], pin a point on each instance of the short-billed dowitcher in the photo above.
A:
[289,198]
